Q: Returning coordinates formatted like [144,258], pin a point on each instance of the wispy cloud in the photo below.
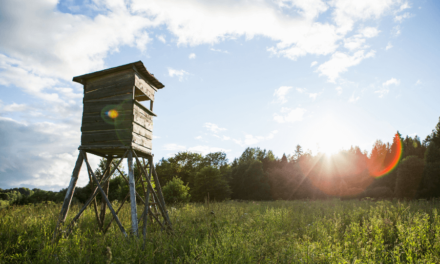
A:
[192,56]
[280,93]
[177,73]
[252,139]
[313,63]
[339,89]
[213,127]
[419,82]
[174,147]
[389,46]
[392,81]
[161,38]
[289,115]
[353,98]
[219,50]
[301,90]
[340,62]
[313,95]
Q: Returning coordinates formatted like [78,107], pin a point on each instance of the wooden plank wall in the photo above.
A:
[104,93]
[133,125]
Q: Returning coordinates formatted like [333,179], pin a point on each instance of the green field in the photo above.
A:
[329,231]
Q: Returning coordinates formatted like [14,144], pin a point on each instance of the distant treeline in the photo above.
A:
[406,168]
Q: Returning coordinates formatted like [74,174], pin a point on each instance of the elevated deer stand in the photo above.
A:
[116,125]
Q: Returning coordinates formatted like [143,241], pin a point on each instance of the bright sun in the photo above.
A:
[333,135]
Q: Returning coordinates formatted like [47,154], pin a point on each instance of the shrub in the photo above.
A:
[175,191]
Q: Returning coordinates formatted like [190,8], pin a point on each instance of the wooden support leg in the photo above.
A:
[106,188]
[147,206]
[69,194]
[161,206]
[132,186]
[160,194]
[103,194]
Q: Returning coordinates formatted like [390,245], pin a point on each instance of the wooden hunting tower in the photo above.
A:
[113,117]
[115,124]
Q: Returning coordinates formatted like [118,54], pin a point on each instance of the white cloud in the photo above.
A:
[389,46]
[313,63]
[339,89]
[353,98]
[178,73]
[15,107]
[213,127]
[174,147]
[391,81]
[198,137]
[402,17]
[340,62]
[39,155]
[192,56]
[419,82]
[297,34]
[225,138]
[301,90]
[290,115]
[281,93]
[252,140]
[219,50]
[161,38]
[382,92]
[313,95]
[396,31]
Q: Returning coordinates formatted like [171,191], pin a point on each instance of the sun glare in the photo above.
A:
[332,136]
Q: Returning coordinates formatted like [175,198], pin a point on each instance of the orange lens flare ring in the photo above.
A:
[112,113]
[395,160]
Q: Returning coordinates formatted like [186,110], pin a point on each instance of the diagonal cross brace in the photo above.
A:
[103,194]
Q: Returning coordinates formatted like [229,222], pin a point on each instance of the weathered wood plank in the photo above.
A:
[108,135]
[97,117]
[141,149]
[146,88]
[143,141]
[142,131]
[109,91]
[98,126]
[144,122]
[98,107]
[141,108]
[121,76]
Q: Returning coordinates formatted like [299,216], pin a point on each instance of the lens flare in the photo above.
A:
[376,172]
[112,113]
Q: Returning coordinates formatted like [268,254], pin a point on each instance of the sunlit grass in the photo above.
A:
[236,232]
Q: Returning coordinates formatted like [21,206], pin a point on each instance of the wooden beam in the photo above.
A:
[132,187]
[159,191]
[103,194]
[106,188]
[164,215]
[69,194]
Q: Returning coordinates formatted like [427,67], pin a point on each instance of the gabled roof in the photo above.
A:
[138,66]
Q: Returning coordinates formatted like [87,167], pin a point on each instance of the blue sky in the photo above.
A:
[269,74]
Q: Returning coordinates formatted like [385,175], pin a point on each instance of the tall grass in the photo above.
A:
[236,232]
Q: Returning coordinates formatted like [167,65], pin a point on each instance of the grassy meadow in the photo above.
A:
[330,231]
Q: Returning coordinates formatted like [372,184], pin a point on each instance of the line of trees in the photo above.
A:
[259,175]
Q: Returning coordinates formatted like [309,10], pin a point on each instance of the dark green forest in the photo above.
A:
[258,175]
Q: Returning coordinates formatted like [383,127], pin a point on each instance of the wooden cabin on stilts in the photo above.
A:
[115,125]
